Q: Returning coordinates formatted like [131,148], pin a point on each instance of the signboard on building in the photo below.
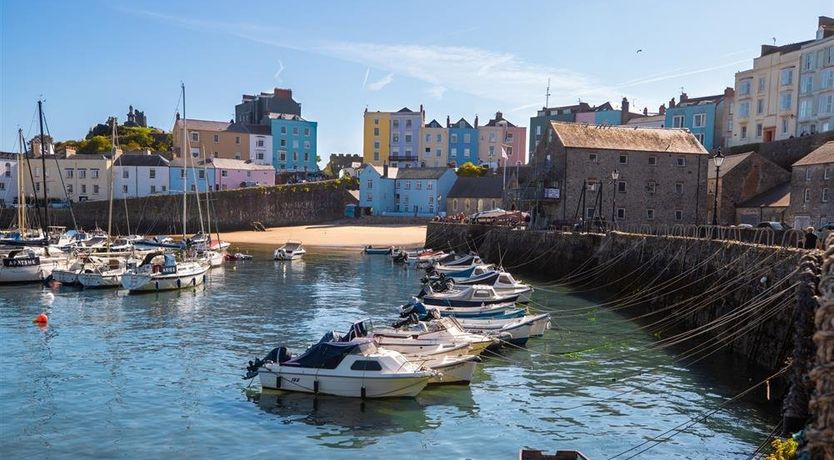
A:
[551,193]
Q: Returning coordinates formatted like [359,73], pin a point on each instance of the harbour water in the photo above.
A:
[159,376]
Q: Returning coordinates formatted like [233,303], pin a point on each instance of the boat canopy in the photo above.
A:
[149,257]
[170,260]
[327,355]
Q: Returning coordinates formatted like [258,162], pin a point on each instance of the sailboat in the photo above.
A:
[160,271]
[33,262]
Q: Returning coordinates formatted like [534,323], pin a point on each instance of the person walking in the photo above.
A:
[810,239]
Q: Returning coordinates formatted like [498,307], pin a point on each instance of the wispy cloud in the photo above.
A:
[367,74]
[381,83]
[436,91]
[277,75]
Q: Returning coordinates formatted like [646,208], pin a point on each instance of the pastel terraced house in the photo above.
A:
[294,144]
[434,145]
[499,133]
[194,176]
[377,130]
[232,174]
[211,139]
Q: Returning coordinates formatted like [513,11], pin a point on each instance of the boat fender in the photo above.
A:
[179,283]
[205,278]
[41,319]
[157,285]
[363,393]
[193,281]
[316,386]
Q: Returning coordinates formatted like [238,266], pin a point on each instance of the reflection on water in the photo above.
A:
[113,375]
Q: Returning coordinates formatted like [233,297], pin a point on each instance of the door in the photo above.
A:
[768,134]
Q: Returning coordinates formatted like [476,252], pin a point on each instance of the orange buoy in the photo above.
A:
[41,319]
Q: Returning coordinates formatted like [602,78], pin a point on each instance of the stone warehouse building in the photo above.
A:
[661,175]
[740,178]
[812,188]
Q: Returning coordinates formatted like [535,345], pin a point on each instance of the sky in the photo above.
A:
[89,59]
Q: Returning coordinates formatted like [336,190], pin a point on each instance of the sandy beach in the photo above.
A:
[335,235]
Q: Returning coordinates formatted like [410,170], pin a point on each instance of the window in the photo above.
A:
[182,173]
[69,188]
[439,137]
[589,213]
[808,61]
[376,156]
[826,103]
[306,156]
[307,145]
[744,132]
[95,189]
[124,188]
[466,152]
[651,187]
[395,124]
[202,174]
[786,77]
[759,106]
[295,130]
[282,155]
[195,136]
[652,160]
[806,84]
[825,195]
[224,173]
[826,175]
[699,120]
[407,185]
[679,188]
[806,197]
[758,130]
[68,173]
[306,131]
[295,156]
[453,138]
[762,85]
[744,87]
[193,187]
[621,186]
[283,143]
[785,100]
[164,188]
[620,213]
[259,155]
[152,173]
[744,109]
[84,188]
[593,157]
[395,137]
[283,130]
[369,197]
[467,138]
[82,173]
[677,121]
[700,137]
[260,143]
[623,159]
[492,136]
[365,365]
[491,150]
[429,185]
[805,108]
[678,214]
[419,185]
[295,144]
[216,138]
[439,152]
[408,138]
[827,79]
[125,174]
[453,151]
[649,214]
[681,162]
[376,130]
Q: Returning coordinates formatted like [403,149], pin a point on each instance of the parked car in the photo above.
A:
[828,226]
[742,226]
[775,226]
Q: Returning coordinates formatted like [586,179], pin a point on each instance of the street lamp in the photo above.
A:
[615,174]
[718,159]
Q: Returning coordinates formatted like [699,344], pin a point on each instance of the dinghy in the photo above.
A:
[499,311]
[515,331]
[466,296]
[421,336]
[356,368]
[291,250]
[370,250]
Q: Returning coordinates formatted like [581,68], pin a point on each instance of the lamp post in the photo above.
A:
[614,176]
[718,159]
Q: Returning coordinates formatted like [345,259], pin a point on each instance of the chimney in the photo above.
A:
[624,106]
[448,122]
[662,109]
[421,108]
[69,151]
[645,111]
[499,116]
[384,169]
[672,103]
[683,98]
[729,93]
[476,121]
[282,93]
[178,116]
[768,49]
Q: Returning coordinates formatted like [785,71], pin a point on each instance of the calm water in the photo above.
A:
[159,375]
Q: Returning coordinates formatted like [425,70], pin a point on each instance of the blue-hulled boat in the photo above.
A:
[466,296]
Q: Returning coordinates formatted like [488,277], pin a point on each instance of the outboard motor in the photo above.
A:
[422,293]
[410,319]
[277,355]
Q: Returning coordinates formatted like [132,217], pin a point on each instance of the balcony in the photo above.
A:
[405,158]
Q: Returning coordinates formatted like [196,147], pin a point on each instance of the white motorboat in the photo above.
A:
[292,250]
[105,273]
[453,362]
[162,272]
[68,275]
[422,336]
[466,296]
[356,368]
[212,258]
[515,331]
[26,265]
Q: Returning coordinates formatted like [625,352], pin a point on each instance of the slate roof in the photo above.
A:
[689,102]
[9,155]
[392,172]
[405,110]
[824,154]
[477,187]
[434,124]
[494,122]
[463,121]
[730,162]
[263,130]
[205,125]
[419,173]
[285,116]
[581,135]
[776,197]
[138,159]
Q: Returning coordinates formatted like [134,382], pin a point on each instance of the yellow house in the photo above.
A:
[219,139]
[70,176]
[377,134]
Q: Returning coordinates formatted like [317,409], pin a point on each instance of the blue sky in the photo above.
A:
[91,59]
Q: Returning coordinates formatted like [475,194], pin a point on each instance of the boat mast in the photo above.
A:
[112,167]
[186,145]
[21,195]
[197,194]
[208,193]
[43,162]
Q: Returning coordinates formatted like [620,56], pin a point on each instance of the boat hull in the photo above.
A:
[29,273]
[66,277]
[317,381]
[98,280]
[137,283]
[455,372]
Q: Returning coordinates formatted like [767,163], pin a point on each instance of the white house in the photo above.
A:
[140,174]
[8,179]
[260,145]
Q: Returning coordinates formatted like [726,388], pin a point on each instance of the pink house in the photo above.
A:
[230,174]
[500,132]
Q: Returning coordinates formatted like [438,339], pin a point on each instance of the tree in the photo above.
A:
[470,170]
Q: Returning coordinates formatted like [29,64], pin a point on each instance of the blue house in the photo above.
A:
[704,116]
[293,143]
[193,177]
[376,188]
[423,191]
[463,142]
